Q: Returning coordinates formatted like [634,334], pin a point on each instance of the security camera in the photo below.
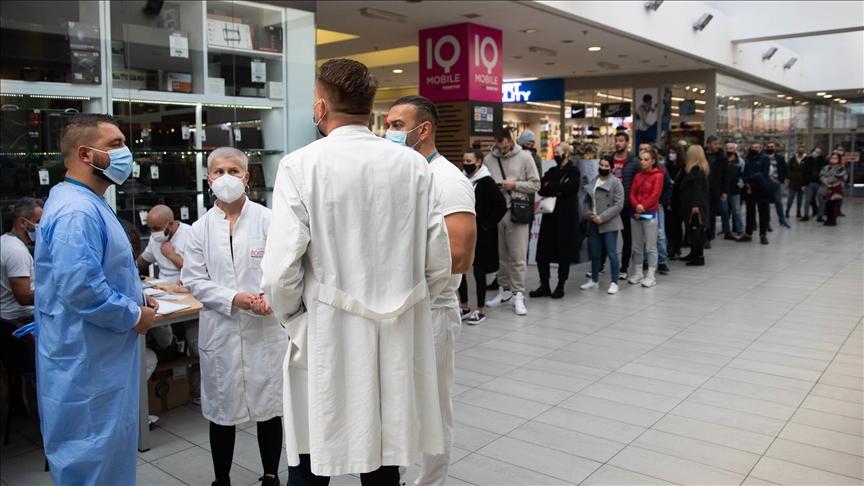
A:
[769,53]
[703,22]
[791,62]
[653,5]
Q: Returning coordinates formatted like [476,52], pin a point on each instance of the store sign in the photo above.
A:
[575,111]
[540,90]
[485,118]
[615,110]
[461,62]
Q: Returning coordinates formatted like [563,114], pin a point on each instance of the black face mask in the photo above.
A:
[730,154]
[469,168]
[559,159]
[603,172]
[769,151]
[753,152]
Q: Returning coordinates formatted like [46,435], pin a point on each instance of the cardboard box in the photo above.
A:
[169,386]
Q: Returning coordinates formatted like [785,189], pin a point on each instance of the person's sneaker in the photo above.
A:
[519,304]
[805,218]
[622,275]
[464,313]
[763,239]
[559,291]
[730,237]
[502,297]
[475,318]
[663,269]
[590,285]
[613,288]
[820,219]
[588,273]
[635,278]
[152,419]
[542,291]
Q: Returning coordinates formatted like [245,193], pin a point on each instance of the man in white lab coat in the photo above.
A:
[413,122]
[356,253]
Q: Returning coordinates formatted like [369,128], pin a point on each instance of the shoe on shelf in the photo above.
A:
[590,284]
[464,313]
[622,275]
[696,262]
[613,288]
[663,269]
[559,291]
[763,239]
[519,304]
[476,318]
[805,218]
[542,291]
[502,297]
[649,280]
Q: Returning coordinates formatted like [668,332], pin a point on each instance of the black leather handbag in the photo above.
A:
[521,211]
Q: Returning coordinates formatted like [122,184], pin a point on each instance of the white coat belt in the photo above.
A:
[339,299]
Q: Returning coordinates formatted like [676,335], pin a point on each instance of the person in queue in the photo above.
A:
[778,173]
[730,199]
[357,252]
[795,189]
[624,167]
[813,165]
[489,207]
[16,263]
[513,169]
[241,346]
[559,230]
[414,123]
[758,193]
[674,225]
[695,202]
[604,200]
[832,176]
[90,310]
[717,164]
[645,200]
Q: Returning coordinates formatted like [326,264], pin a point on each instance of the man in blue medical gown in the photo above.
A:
[90,309]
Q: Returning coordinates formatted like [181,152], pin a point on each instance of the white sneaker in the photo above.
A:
[613,288]
[502,297]
[649,280]
[519,304]
[589,285]
[636,277]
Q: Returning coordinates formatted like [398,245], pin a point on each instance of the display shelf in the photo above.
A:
[193,99]
[245,52]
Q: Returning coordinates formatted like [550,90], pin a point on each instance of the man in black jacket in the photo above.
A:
[758,191]
[716,180]
[730,197]
[778,171]
[812,166]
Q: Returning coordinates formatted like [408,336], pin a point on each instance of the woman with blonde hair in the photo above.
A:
[695,196]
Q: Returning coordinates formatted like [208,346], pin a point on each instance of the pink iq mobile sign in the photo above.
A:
[461,62]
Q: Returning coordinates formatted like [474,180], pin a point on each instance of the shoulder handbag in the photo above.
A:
[547,205]
[521,211]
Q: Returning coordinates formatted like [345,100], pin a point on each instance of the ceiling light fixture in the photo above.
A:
[687,87]
[703,22]
[781,95]
[695,89]
[789,98]
[653,5]
[595,49]
[769,53]
[701,91]
[542,51]
[398,71]
[529,31]
[791,62]
[821,93]
[827,96]
[374,13]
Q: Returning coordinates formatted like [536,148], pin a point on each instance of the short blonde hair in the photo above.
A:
[566,148]
[228,153]
[696,156]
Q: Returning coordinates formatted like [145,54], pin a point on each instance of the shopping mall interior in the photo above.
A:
[747,371]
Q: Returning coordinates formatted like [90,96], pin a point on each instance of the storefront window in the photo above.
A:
[55,41]
[593,117]
[749,113]
[848,116]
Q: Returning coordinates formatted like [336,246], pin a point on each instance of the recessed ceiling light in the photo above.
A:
[687,87]
[529,31]
[567,41]
[821,93]
[781,96]
[542,51]
[595,49]
[701,91]
[826,96]
[471,15]
[549,63]
[398,71]
[788,97]
[644,61]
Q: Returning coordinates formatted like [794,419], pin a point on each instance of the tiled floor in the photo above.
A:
[746,371]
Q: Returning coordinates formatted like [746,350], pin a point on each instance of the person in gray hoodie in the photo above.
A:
[514,171]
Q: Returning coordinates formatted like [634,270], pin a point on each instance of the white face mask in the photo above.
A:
[228,188]
[159,236]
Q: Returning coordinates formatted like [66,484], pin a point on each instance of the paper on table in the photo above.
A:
[172,298]
[166,307]
[155,292]
[163,281]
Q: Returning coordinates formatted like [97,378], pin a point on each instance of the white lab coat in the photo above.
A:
[358,237]
[241,353]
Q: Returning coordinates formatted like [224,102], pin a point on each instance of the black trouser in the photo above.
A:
[269,446]
[832,210]
[628,238]
[302,475]
[480,278]
[543,269]
[710,224]
[760,204]
[674,232]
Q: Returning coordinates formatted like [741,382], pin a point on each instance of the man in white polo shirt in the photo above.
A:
[16,263]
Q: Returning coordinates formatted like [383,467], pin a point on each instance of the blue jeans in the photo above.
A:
[812,190]
[662,247]
[793,195]
[601,243]
[732,207]
[778,205]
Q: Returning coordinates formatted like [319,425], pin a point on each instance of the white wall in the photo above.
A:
[671,27]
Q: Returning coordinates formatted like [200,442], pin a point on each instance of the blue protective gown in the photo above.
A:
[88,363]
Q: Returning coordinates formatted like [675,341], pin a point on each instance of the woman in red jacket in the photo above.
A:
[645,200]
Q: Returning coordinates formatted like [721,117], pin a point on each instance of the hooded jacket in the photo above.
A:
[519,167]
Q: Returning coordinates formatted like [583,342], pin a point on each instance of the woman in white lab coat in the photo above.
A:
[241,345]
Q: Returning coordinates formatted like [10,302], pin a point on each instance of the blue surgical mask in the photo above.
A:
[401,137]
[120,167]
[32,233]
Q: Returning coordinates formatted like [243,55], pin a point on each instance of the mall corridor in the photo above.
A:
[746,371]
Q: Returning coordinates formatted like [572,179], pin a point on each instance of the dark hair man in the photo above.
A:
[356,253]
[625,166]
[16,262]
